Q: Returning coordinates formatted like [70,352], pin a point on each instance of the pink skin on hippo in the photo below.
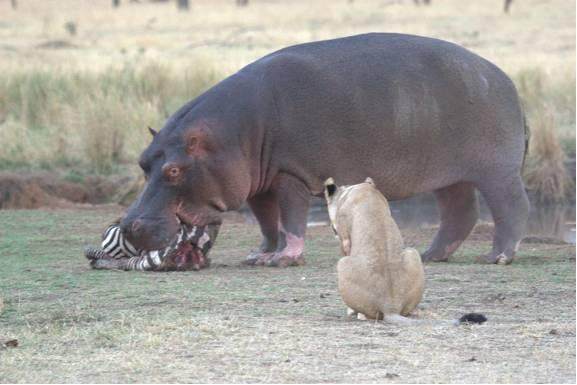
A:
[415,114]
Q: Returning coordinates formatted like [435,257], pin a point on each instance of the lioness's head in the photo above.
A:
[334,194]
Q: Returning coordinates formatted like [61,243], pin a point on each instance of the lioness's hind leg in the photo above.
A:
[415,278]
[357,293]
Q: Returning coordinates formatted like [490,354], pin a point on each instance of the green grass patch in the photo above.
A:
[232,323]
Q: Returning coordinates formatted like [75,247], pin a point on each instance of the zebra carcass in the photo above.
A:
[187,251]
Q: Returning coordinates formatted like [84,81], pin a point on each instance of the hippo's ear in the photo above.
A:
[369,180]
[197,143]
[330,188]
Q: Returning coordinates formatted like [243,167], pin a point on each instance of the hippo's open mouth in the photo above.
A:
[188,250]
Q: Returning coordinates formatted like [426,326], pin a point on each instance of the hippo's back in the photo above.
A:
[390,106]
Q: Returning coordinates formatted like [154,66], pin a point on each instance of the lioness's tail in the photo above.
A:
[469,318]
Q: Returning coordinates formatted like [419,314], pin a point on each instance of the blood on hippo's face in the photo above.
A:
[192,176]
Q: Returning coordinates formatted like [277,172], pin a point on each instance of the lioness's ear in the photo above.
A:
[369,180]
[330,187]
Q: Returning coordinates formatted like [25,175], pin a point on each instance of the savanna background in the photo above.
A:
[80,80]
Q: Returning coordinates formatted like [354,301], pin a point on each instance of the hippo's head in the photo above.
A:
[194,172]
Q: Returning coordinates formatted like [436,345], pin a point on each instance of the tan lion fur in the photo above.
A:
[378,277]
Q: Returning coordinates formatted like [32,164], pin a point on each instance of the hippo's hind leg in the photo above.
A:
[265,208]
[459,210]
[509,207]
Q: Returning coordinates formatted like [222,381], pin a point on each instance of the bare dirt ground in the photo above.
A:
[232,323]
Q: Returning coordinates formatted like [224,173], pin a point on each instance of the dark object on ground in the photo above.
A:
[71,28]
[9,344]
[57,44]
[415,114]
[473,318]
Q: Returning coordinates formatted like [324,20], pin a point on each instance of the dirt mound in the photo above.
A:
[33,191]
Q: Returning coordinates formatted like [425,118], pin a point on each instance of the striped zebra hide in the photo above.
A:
[187,251]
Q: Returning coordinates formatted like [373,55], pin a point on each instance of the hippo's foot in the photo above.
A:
[497,258]
[434,257]
[257,258]
[281,259]
[276,259]
[440,254]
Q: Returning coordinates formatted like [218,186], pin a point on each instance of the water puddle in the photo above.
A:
[552,221]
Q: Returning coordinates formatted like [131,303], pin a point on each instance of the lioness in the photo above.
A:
[378,277]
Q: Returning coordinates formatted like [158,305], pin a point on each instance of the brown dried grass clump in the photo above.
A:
[545,173]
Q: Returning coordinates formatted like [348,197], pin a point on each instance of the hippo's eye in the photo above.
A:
[173,172]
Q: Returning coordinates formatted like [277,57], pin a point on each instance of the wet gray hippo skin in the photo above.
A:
[415,114]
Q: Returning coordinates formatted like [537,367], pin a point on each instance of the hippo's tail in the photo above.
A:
[527,138]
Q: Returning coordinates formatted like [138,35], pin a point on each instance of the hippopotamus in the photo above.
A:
[415,114]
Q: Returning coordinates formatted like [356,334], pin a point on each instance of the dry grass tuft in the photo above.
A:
[545,172]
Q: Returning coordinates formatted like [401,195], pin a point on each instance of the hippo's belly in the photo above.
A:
[415,114]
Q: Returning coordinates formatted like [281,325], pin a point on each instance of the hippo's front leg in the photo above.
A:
[265,208]
[292,197]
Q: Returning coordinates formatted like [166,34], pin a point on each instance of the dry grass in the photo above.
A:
[84,100]
[92,120]
[550,111]
[545,173]
[232,323]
